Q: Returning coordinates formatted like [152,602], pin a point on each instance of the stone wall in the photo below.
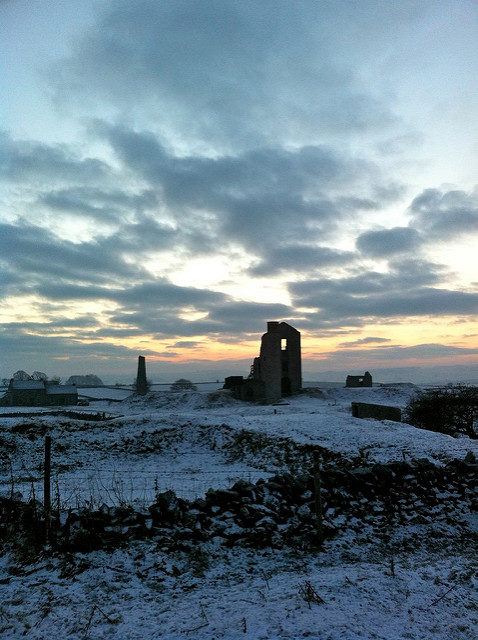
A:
[365,501]
[377,411]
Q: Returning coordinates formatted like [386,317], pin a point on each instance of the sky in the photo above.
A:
[175,173]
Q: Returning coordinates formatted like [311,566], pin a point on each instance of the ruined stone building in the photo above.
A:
[277,371]
[359,381]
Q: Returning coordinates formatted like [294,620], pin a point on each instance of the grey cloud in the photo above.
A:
[185,344]
[35,260]
[405,291]
[163,292]
[441,215]
[388,242]
[28,345]
[108,206]
[144,235]
[164,323]
[53,325]
[226,318]
[160,293]
[421,301]
[397,352]
[247,316]
[367,340]
[299,257]
[29,161]
[36,254]
[403,275]
[225,72]
[257,198]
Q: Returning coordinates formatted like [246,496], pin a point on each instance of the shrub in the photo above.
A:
[183,385]
[452,410]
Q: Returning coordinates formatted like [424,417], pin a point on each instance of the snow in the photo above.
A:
[195,440]
[180,440]
[140,592]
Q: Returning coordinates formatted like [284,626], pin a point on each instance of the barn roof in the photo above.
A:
[27,384]
[59,389]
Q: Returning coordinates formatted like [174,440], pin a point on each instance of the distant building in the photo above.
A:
[38,393]
[359,381]
[277,371]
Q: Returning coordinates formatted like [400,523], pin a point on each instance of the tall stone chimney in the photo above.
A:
[141,384]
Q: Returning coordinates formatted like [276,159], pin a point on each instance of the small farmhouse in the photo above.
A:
[38,393]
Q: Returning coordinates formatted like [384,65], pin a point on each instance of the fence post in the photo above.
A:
[47,481]
[318,499]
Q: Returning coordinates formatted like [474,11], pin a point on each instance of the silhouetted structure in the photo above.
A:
[141,385]
[38,393]
[377,411]
[277,371]
[359,381]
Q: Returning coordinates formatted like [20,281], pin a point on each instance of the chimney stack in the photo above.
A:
[141,384]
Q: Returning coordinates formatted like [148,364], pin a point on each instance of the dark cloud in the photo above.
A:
[444,214]
[387,242]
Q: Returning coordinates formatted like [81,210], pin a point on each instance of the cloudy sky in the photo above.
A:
[174,173]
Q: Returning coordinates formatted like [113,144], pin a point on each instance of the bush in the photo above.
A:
[183,385]
[452,410]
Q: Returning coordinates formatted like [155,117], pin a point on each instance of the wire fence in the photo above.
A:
[94,484]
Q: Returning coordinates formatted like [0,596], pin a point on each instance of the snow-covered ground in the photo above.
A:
[182,441]
[212,593]
[195,440]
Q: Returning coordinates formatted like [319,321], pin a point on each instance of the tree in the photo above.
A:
[183,385]
[39,375]
[452,410]
[21,375]
[88,380]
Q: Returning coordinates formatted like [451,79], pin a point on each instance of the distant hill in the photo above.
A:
[89,380]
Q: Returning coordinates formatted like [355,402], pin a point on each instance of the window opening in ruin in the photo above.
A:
[283,344]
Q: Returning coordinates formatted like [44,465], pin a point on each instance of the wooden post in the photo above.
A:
[318,499]
[47,478]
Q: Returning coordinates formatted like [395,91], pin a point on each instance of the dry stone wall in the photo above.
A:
[369,501]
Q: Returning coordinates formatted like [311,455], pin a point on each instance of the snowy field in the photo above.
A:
[182,441]
[195,440]
[139,593]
